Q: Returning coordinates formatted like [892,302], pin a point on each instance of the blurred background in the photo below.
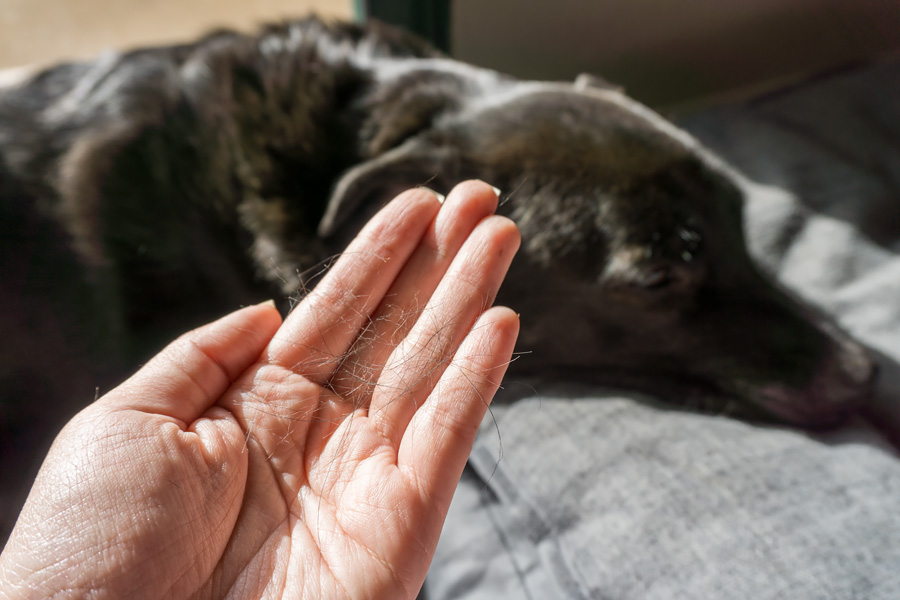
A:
[46,31]
[665,53]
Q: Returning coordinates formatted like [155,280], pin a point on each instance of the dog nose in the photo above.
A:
[846,379]
[843,384]
[856,364]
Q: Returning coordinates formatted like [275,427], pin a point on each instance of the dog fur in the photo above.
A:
[145,193]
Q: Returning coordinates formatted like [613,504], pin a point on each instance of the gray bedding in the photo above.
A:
[602,494]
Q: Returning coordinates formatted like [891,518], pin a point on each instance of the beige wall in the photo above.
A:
[44,31]
[668,52]
[665,52]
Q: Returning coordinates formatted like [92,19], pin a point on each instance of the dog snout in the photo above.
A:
[843,384]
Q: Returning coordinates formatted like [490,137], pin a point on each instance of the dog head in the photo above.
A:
[633,269]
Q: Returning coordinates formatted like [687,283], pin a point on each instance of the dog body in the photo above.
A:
[146,193]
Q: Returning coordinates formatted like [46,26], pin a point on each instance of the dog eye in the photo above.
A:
[667,276]
[656,278]
[630,270]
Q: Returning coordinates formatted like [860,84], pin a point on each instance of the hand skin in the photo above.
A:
[314,458]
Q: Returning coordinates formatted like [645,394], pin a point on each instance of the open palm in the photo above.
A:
[314,458]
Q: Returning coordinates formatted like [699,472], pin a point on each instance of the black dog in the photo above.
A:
[146,193]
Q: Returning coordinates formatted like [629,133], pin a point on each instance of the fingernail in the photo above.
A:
[493,187]
[268,303]
[440,197]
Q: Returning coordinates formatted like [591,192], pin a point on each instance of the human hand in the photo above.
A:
[314,458]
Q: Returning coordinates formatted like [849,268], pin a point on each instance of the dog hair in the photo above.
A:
[147,192]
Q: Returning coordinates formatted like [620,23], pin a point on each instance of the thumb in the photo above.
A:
[190,375]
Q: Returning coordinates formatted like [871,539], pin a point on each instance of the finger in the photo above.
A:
[466,205]
[192,373]
[467,290]
[435,446]
[318,333]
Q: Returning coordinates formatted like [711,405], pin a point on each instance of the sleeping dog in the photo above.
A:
[148,192]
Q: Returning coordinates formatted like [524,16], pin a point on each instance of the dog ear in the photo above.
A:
[409,105]
[395,121]
[586,81]
[399,137]
[411,164]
